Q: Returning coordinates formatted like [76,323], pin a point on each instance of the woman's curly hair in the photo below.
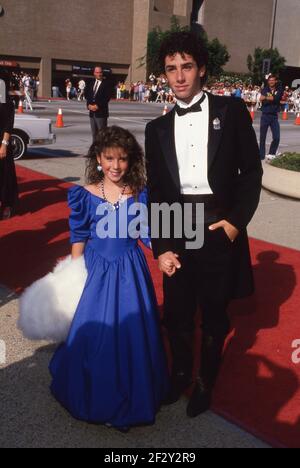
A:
[117,137]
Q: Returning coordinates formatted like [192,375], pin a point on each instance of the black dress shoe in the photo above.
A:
[179,384]
[200,401]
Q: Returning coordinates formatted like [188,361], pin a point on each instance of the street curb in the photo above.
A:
[281,181]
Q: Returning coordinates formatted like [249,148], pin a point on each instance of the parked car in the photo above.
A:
[30,130]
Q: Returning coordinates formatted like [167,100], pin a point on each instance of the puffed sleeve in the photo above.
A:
[80,219]
[145,229]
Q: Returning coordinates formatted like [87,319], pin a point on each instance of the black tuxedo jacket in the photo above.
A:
[102,98]
[234,175]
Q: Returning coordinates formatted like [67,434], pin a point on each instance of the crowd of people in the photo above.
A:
[24,81]
[252,95]
[157,89]
[75,92]
[24,85]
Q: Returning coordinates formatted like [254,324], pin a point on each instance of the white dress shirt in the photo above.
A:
[191,140]
[97,86]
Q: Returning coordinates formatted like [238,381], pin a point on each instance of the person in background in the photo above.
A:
[81,88]
[98,94]
[285,99]
[123,91]
[271,97]
[237,91]
[68,89]
[118,88]
[8,179]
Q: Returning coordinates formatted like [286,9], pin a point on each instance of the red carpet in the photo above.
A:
[258,388]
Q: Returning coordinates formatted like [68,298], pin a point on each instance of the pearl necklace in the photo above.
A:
[114,206]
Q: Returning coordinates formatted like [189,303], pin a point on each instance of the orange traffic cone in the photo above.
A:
[166,110]
[285,115]
[297,121]
[60,119]
[252,113]
[20,107]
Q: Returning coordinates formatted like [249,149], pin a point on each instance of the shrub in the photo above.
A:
[289,161]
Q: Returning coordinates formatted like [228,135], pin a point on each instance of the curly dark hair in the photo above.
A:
[117,137]
[184,42]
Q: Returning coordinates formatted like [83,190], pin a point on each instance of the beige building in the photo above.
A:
[286,31]
[59,40]
[244,25]
[65,39]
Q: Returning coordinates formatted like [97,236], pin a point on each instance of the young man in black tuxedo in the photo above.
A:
[98,94]
[204,151]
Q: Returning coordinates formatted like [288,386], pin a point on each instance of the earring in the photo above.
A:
[99,168]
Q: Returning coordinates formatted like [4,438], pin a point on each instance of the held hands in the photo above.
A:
[231,231]
[168,263]
[93,107]
[3,151]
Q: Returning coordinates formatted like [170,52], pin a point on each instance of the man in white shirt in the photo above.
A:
[26,80]
[202,152]
[81,88]
[98,94]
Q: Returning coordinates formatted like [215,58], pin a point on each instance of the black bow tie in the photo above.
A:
[194,108]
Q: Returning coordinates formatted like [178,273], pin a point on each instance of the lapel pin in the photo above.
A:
[217,124]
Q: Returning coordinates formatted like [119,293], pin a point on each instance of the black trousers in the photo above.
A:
[8,181]
[204,281]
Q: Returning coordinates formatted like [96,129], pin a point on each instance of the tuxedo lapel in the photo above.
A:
[166,132]
[217,114]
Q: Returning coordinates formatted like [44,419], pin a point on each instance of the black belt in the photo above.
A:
[212,211]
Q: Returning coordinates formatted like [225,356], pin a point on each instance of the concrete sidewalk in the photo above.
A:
[31,418]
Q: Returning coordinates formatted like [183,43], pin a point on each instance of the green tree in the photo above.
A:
[255,63]
[155,38]
[218,57]
[218,53]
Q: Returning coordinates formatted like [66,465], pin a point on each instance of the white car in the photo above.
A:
[30,130]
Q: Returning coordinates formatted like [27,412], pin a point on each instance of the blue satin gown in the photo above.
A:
[112,368]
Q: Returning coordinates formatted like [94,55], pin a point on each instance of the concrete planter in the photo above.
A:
[281,181]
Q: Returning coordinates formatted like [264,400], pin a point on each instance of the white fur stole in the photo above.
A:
[48,306]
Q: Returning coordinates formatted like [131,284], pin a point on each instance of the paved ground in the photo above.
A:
[29,417]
